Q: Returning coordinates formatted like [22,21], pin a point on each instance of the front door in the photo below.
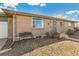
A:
[54,28]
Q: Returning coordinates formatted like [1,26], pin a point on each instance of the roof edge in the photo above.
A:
[12,12]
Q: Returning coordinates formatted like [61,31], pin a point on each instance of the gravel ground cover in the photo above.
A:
[63,48]
[44,47]
[28,45]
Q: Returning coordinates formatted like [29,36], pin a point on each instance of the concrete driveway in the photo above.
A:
[75,35]
[2,43]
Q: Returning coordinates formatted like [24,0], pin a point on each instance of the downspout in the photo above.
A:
[14,27]
[14,30]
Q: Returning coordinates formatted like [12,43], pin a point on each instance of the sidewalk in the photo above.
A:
[63,35]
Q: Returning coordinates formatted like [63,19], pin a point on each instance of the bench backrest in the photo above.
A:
[25,33]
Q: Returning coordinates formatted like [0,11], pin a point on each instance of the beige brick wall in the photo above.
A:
[65,26]
[24,24]
[10,27]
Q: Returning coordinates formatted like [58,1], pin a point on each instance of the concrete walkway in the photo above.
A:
[2,43]
[63,35]
[74,37]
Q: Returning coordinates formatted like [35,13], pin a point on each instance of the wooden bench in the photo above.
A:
[25,35]
[29,35]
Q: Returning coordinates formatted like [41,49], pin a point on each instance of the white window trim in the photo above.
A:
[38,27]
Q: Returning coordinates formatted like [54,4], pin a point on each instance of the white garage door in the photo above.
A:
[3,30]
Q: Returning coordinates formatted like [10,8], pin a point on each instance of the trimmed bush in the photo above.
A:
[53,34]
[56,35]
[70,32]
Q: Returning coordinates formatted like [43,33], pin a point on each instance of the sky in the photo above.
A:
[61,10]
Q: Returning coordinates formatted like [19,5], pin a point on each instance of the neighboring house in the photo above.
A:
[13,22]
[77,24]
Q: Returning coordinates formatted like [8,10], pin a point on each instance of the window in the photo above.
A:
[38,23]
